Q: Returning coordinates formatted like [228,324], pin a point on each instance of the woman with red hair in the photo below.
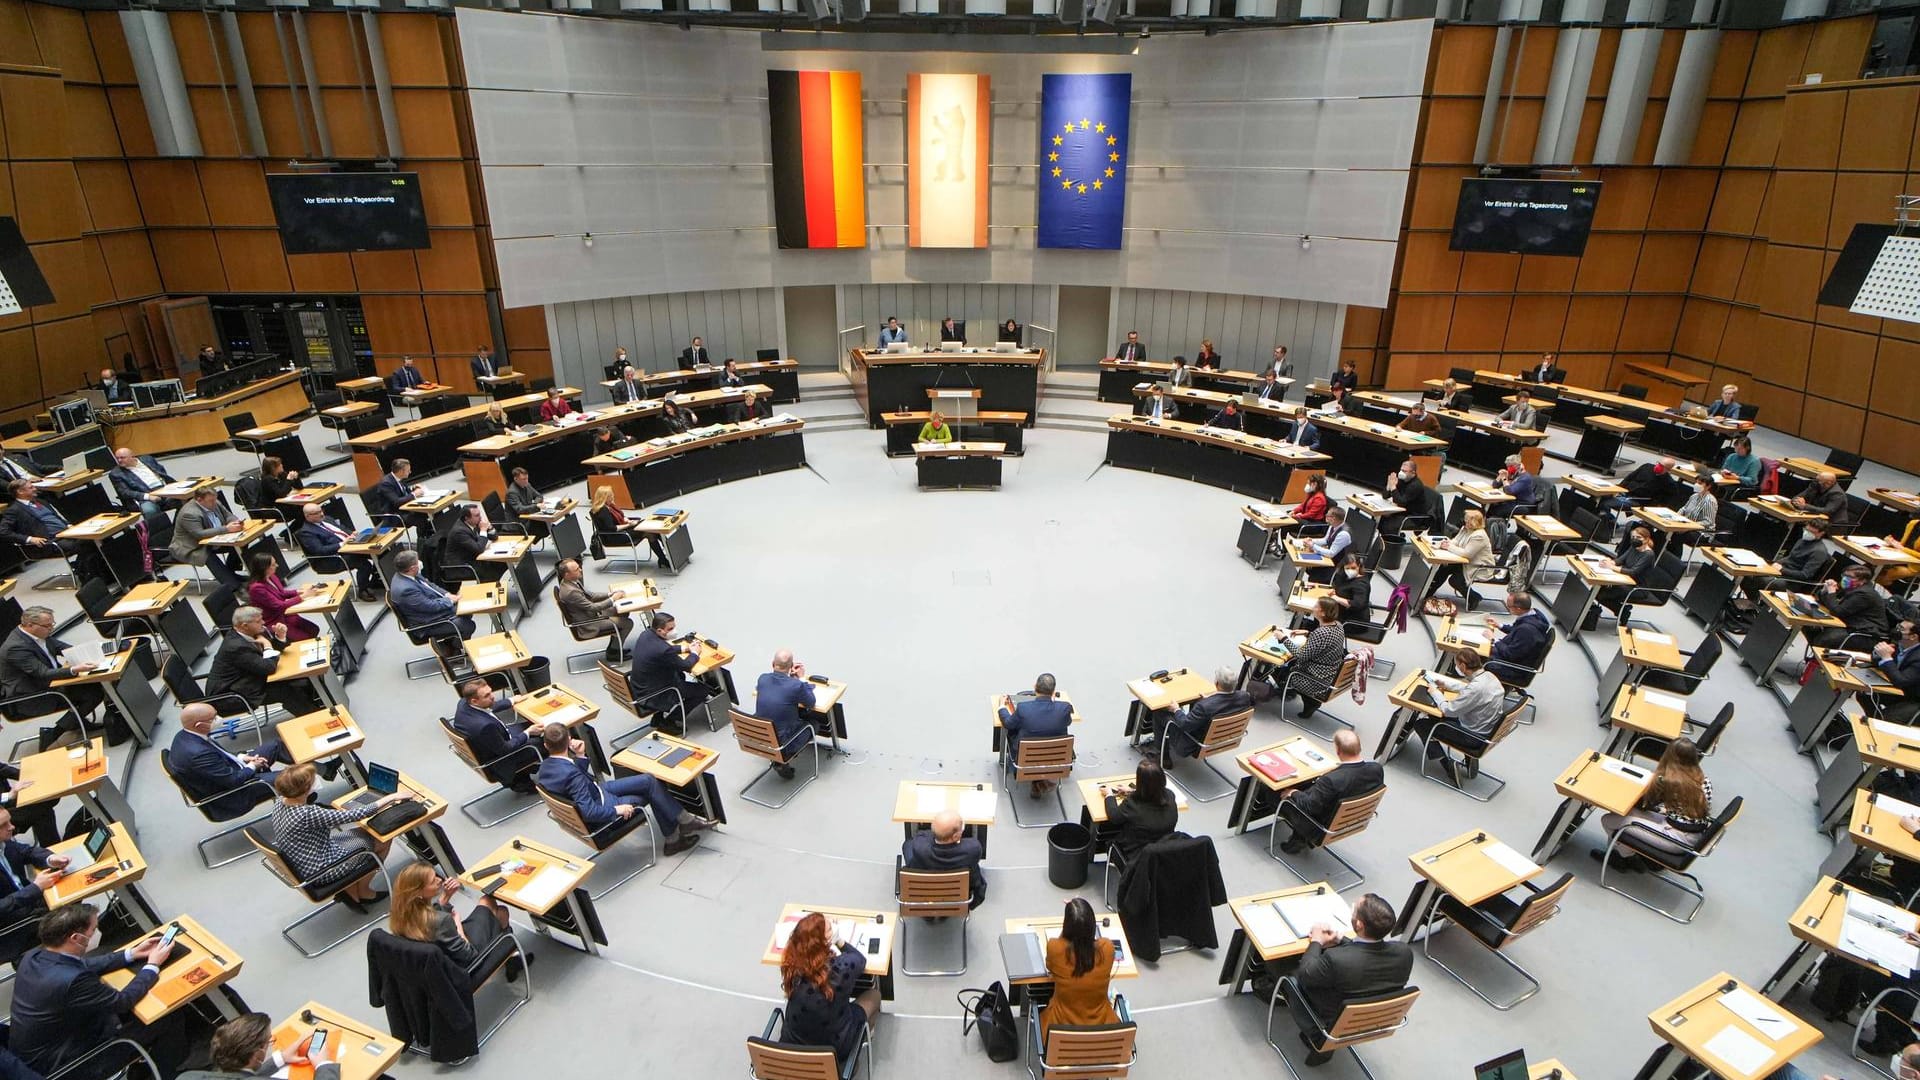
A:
[818,977]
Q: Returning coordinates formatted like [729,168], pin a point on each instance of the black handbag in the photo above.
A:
[991,1013]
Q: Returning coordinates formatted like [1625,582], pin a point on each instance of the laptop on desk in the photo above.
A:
[382,780]
[1512,1066]
[90,850]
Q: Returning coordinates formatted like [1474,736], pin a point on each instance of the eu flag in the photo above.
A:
[1083,159]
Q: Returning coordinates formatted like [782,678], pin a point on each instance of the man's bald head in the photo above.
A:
[783,660]
[198,717]
[946,826]
[313,511]
[1346,744]
[1828,479]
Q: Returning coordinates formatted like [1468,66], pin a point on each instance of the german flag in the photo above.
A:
[819,186]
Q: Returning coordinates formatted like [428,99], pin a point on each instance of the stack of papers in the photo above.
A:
[929,800]
[1875,932]
[1303,911]
[1656,639]
[1265,924]
[1510,860]
[1739,1050]
[1896,807]
[1663,699]
[432,494]
[977,805]
[547,886]
[1622,769]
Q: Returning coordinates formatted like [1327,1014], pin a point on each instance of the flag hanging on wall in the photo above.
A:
[819,186]
[1083,159]
[949,122]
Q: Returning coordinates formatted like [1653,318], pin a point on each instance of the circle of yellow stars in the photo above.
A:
[1080,187]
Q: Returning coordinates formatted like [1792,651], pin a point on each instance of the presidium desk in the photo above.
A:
[885,382]
[432,443]
[1248,464]
[672,465]
[189,425]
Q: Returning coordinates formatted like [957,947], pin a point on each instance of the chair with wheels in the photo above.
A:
[1671,857]
[522,759]
[1080,1052]
[262,784]
[1223,736]
[602,839]
[1350,818]
[1454,739]
[769,1059]
[758,738]
[1037,760]
[1496,923]
[1361,1020]
[929,894]
[323,891]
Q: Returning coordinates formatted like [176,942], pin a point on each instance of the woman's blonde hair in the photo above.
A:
[601,497]
[412,915]
[1473,519]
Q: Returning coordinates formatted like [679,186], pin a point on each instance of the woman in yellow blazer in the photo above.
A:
[1080,961]
[935,430]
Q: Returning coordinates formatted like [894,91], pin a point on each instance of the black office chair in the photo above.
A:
[1496,923]
[1517,677]
[1689,678]
[262,784]
[1846,460]
[1652,747]
[236,424]
[1634,391]
[1670,856]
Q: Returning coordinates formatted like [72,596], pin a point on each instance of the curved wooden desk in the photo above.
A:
[201,422]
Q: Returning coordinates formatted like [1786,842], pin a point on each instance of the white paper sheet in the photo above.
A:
[548,885]
[1509,859]
[1741,1051]
[1657,639]
[1898,731]
[1621,768]
[1750,1007]
[1861,905]
[1664,699]
[1896,807]
[977,805]
[1303,911]
[1877,946]
[1265,924]
[929,800]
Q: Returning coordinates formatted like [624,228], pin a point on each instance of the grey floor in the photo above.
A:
[926,603]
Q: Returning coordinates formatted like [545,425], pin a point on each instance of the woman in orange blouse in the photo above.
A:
[1080,961]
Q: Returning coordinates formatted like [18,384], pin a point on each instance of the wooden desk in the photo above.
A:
[189,425]
[1877,828]
[311,660]
[1669,386]
[1581,590]
[1817,923]
[1691,1021]
[1257,797]
[316,736]
[917,802]
[1426,554]
[1773,630]
[1641,710]
[311,493]
[1594,781]
[1877,552]
[1406,707]
[1641,651]
[1256,937]
[250,530]
[1451,638]
[1787,519]
[364,1051]
[432,443]
[135,698]
[1260,654]
[1713,584]
[884,381]
[1595,487]
[99,527]
[1897,500]
[423,827]
[540,879]
[1876,746]
[873,930]
[1257,529]
[119,868]
[672,465]
[490,653]
[1601,439]
[1179,687]
[690,781]
[1094,792]
[184,488]
[903,428]
[1047,927]
[78,771]
[1462,868]
[202,964]
[147,601]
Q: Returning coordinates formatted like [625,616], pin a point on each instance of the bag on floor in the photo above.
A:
[1440,607]
[991,1013]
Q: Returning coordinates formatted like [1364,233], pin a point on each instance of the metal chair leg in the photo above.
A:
[653,856]
[208,861]
[768,771]
[1011,776]
[1498,784]
[1229,789]
[1274,853]
[287,931]
[488,823]
[1659,872]
[1427,947]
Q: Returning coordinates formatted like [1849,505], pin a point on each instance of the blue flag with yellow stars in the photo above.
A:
[1083,159]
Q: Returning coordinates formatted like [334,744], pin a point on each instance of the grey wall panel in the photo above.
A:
[1243,328]
[733,322]
[921,309]
[655,140]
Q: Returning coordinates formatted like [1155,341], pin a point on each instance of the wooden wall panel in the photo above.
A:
[1782,359]
[1479,323]
[70,355]
[1791,281]
[1896,389]
[336,49]
[282,119]
[1536,322]
[253,260]
[1518,128]
[1420,323]
[189,260]
[6,193]
[239,193]
[169,192]
[1843,364]
[1756,134]
[353,122]
[1779,405]
[263,47]
[130,120]
[1650,323]
[70,277]
[1626,198]
[444,192]
[62,36]
[17,45]
[1715,133]
[1815,120]
[1777,59]
[1892,440]
[1452,125]
[130,264]
[193,40]
[1685,198]
[1716,271]
[452,264]
[109,47]
[396,325]
[416,50]
[1797,211]
[1752,273]
[1739,343]
[1488,272]
[89,121]
[28,102]
[385,271]
[321,273]
[1858,197]
[1462,55]
[458,324]
[526,327]
[219,129]
[46,196]
[107,188]
[428,125]
[1702,323]
[1593,323]
[1879,127]
[1608,263]
[17,355]
[1838,50]
[1548,273]
[1736,201]
[1666,262]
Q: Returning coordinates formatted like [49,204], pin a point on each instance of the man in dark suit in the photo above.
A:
[629,388]
[1823,495]
[1042,716]
[115,389]
[405,377]
[241,666]
[749,407]
[944,847]
[564,775]
[660,665]
[1546,371]
[508,752]
[695,355]
[951,330]
[29,663]
[211,362]
[1522,642]
[467,540]
[782,696]
[1406,488]
[1303,433]
[200,518]
[484,366]
[35,525]
[133,476]
[1188,727]
[26,872]
[1803,562]
[590,613]
[1899,661]
[13,469]
[1133,349]
[1228,417]
[62,1008]
[205,769]
[1336,969]
[321,535]
[393,491]
[420,602]
[1308,808]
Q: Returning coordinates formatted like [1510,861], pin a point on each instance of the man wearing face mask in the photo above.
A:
[1854,601]
[1899,661]
[1409,491]
[1635,560]
[62,1008]
[1652,484]
[1823,496]
[1803,563]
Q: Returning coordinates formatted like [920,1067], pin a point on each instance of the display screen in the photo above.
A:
[1527,217]
[322,212]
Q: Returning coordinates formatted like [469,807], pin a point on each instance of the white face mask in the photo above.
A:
[1353,573]
[1406,476]
[1806,534]
[93,939]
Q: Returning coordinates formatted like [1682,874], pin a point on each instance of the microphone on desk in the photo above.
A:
[1837,890]
[1476,838]
[308,1018]
[1679,1015]
[1574,780]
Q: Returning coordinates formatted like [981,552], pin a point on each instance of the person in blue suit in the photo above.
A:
[133,476]
[660,665]
[393,491]
[62,1008]
[26,872]
[1899,660]
[321,535]
[419,602]
[405,377]
[204,768]
[782,696]
[1303,433]
[507,751]
[1041,716]
[565,775]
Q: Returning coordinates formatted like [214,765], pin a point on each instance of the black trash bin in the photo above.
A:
[1069,849]
[1393,554]
[538,673]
